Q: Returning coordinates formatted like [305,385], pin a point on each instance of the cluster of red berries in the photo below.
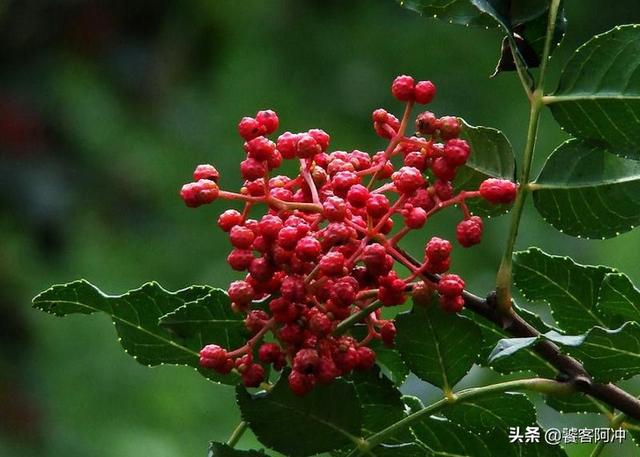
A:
[322,257]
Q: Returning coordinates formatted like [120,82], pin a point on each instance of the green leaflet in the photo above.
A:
[570,289]
[436,345]
[586,191]
[619,297]
[327,418]
[598,97]
[608,355]
[136,316]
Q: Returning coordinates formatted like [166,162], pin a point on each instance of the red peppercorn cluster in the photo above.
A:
[322,256]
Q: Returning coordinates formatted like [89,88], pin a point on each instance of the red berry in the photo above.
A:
[443,170]
[344,291]
[449,127]
[390,297]
[326,370]
[402,88]
[424,91]
[498,190]
[287,144]
[366,358]
[253,375]
[374,257]
[308,249]
[319,323]
[346,359]
[450,285]
[407,180]
[268,120]
[206,171]
[288,237]
[293,288]
[240,259]
[275,160]
[416,160]
[343,181]
[249,128]
[213,357]
[380,115]
[270,226]
[452,304]
[469,232]
[387,167]
[306,361]
[307,146]
[456,152]
[241,237]
[199,193]
[357,196]
[260,269]
[260,148]
[261,244]
[332,263]
[255,321]
[285,312]
[241,292]
[377,205]
[427,123]
[415,218]
[388,333]
[438,267]
[255,188]
[301,384]
[334,209]
[252,169]
[438,249]
[443,189]
[321,137]
[229,219]
[269,353]
[423,199]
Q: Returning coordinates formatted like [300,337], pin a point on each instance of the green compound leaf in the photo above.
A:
[327,418]
[570,289]
[491,157]
[586,191]
[436,345]
[598,97]
[527,360]
[223,450]
[135,316]
[207,320]
[619,297]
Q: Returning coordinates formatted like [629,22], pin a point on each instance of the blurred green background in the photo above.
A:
[105,109]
